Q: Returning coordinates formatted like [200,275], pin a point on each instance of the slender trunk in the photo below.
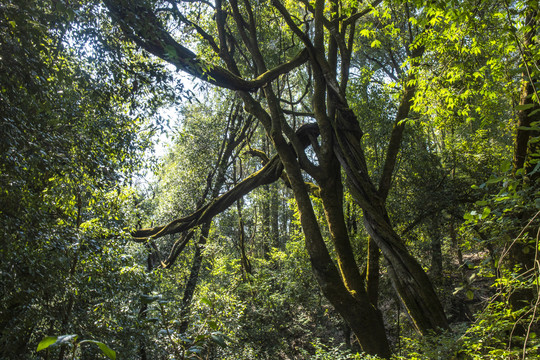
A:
[373,269]
[455,242]
[436,257]
[524,149]
[151,262]
[274,217]
[266,238]
[244,261]
[191,284]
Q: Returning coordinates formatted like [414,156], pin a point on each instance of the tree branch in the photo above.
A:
[270,173]
[394,145]
[141,25]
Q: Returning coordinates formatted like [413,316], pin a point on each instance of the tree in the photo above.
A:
[324,41]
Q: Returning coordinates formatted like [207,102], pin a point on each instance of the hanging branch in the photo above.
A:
[142,26]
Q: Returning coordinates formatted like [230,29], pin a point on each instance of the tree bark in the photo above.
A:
[372,272]
[348,297]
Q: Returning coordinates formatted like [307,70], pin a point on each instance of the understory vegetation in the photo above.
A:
[328,179]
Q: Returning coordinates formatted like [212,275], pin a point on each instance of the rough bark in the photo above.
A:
[408,277]
[354,307]
[142,26]
[526,152]
[268,174]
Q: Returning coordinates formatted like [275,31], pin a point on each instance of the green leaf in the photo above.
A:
[153,320]
[195,349]
[147,299]
[46,342]
[217,337]
[364,33]
[111,354]
[524,106]
[205,300]
[506,165]
[376,44]
[213,325]
[469,294]
[494,180]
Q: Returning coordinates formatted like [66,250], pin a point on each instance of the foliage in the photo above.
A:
[80,105]
[72,340]
[72,140]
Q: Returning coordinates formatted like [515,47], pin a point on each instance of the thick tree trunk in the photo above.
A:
[526,150]
[409,279]
[345,292]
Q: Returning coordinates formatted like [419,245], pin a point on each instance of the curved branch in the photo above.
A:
[394,145]
[268,174]
[142,26]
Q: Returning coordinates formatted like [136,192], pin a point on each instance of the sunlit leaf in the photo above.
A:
[46,342]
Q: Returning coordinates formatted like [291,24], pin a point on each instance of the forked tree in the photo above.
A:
[255,48]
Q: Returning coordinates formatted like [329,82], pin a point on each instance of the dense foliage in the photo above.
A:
[344,180]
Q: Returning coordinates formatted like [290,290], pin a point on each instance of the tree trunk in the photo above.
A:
[524,149]
[191,284]
[353,306]
[409,279]
[274,217]
[244,261]
[373,269]
[265,217]
[436,258]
